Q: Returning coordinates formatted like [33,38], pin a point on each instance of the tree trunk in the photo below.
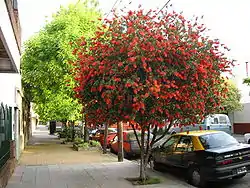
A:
[143,164]
[86,134]
[83,126]
[86,131]
[105,138]
[120,142]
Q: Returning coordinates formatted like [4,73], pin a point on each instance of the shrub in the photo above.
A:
[84,145]
[79,141]
[94,143]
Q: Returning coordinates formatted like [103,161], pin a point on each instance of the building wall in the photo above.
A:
[243,116]
[8,88]
[241,119]
[10,83]
[12,8]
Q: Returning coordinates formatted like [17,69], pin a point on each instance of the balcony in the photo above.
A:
[10,37]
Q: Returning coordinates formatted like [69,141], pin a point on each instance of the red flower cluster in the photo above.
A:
[145,69]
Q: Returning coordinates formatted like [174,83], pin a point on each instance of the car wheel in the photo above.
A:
[195,178]
[240,176]
[248,141]
[125,154]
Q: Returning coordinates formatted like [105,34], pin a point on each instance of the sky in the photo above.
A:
[227,19]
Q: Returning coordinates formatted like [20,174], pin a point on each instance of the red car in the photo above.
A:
[111,134]
[130,144]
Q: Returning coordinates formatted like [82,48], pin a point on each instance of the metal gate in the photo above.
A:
[5,133]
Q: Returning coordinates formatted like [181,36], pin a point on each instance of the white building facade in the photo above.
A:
[11,94]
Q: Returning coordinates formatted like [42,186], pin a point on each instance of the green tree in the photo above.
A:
[246,81]
[231,102]
[46,73]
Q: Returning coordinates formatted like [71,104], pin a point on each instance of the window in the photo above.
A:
[185,144]
[215,121]
[222,119]
[216,140]
[170,144]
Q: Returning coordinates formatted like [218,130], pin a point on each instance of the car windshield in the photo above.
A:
[216,140]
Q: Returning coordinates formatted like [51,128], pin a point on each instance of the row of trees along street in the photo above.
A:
[137,67]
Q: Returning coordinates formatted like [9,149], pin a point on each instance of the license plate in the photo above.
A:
[241,170]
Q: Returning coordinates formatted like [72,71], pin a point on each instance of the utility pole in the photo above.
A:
[120,142]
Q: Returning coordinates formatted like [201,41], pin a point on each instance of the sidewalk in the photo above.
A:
[105,175]
[45,149]
[47,163]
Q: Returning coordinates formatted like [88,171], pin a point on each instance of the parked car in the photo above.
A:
[247,138]
[95,135]
[111,134]
[204,155]
[130,144]
[99,135]
[219,122]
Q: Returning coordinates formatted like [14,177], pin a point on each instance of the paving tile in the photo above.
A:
[29,176]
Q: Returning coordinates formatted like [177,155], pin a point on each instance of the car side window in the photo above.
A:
[222,119]
[170,144]
[185,144]
[215,121]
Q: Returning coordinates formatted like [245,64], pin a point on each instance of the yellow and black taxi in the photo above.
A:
[205,155]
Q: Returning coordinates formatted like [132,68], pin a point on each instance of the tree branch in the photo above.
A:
[136,136]
[154,136]
[165,132]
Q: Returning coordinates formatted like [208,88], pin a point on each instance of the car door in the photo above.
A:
[180,152]
[166,150]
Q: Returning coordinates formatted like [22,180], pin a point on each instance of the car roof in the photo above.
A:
[197,133]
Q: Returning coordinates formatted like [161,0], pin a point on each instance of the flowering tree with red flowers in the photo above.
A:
[149,70]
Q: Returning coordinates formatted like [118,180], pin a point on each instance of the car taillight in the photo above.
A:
[225,162]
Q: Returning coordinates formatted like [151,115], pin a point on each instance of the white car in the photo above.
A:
[247,138]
